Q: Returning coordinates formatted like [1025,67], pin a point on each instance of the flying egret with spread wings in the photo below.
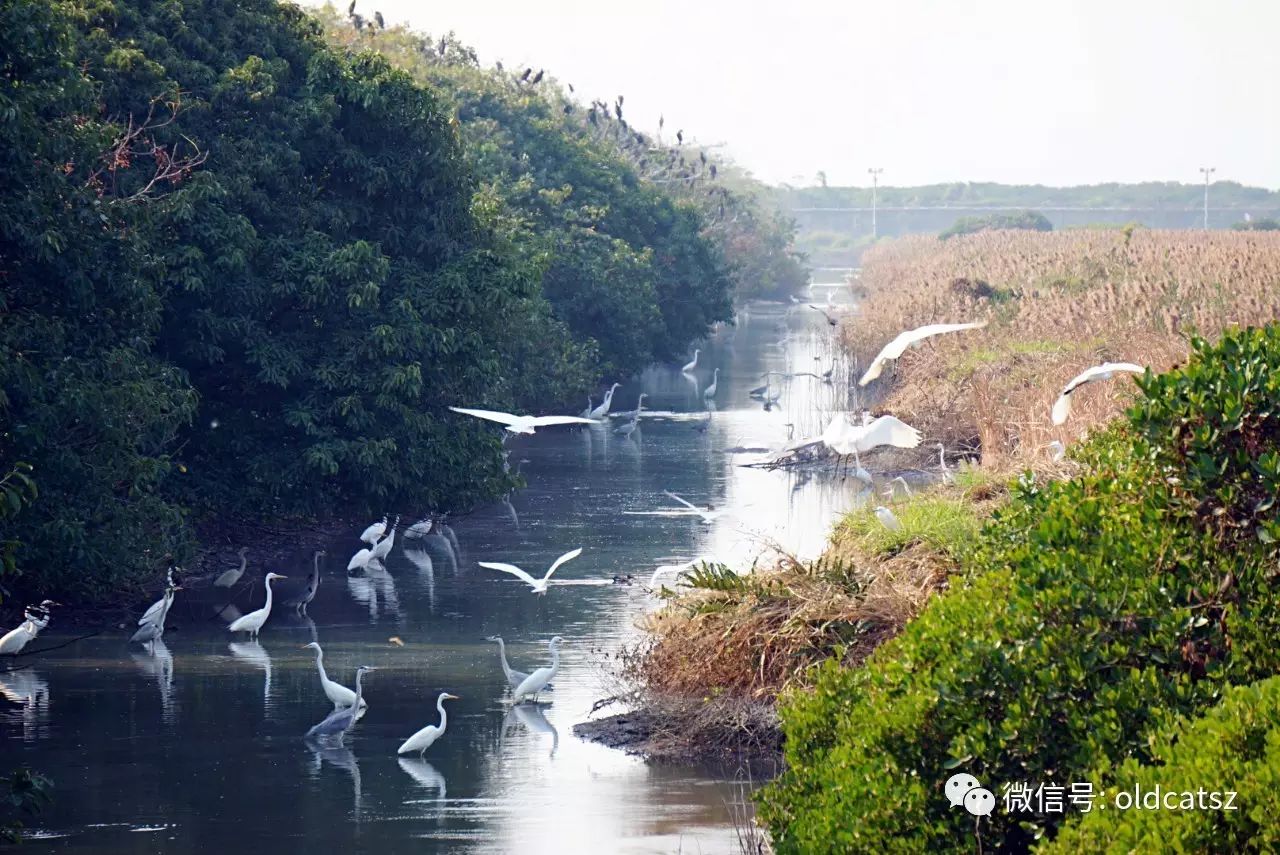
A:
[844,438]
[523,424]
[539,586]
[707,514]
[1105,371]
[899,345]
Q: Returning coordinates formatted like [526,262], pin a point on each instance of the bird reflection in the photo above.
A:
[158,663]
[422,560]
[255,654]
[511,511]
[341,756]
[532,717]
[427,777]
[28,690]
[376,588]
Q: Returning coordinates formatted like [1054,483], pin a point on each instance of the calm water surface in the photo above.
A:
[200,745]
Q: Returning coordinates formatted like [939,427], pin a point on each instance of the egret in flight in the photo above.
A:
[523,424]
[539,586]
[230,577]
[425,738]
[707,514]
[253,621]
[338,722]
[538,680]
[689,367]
[374,531]
[514,677]
[338,694]
[899,345]
[1105,371]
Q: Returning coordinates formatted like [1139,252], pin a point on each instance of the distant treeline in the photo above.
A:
[243,270]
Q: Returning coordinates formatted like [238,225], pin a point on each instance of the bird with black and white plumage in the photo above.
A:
[35,619]
[1106,371]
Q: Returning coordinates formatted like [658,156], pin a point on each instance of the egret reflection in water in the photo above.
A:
[26,694]
[534,720]
[157,662]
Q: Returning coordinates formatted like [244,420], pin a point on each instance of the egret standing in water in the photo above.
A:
[253,621]
[374,531]
[35,618]
[538,680]
[514,677]
[693,363]
[338,694]
[603,410]
[158,610]
[539,586]
[425,738]
[230,577]
[383,547]
[150,630]
[338,722]
[710,392]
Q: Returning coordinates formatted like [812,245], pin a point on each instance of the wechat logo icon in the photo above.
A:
[964,789]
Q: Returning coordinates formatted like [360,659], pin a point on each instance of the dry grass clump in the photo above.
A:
[1057,303]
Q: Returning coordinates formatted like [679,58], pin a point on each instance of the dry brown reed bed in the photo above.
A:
[1057,303]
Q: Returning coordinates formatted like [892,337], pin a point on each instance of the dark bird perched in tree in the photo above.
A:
[526,74]
[377,17]
[713,172]
[617,109]
[498,65]
[570,88]
[680,137]
[357,21]
[620,100]
[661,122]
[444,45]
[703,155]
[351,10]
[639,139]
[537,78]
[591,116]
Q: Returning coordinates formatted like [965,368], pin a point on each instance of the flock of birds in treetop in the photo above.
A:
[674,166]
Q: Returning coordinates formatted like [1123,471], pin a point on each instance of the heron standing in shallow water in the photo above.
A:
[538,680]
[514,677]
[425,738]
[338,722]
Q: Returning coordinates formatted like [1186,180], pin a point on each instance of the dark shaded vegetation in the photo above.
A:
[242,270]
[1262,224]
[1091,616]
[1026,220]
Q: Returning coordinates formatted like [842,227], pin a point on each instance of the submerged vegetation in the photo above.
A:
[245,269]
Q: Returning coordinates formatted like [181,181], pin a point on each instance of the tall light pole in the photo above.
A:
[875,175]
[1207,170]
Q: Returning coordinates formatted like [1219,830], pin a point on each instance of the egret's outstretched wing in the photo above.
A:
[568,556]
[888,430]
[544,421]
[509,568]
[899,345]
[1062,407]
[490,415]
[834,431]
[672,495]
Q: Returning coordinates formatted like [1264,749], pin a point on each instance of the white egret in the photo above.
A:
[514,677]
[383,547]
[35,618]
[253,621]
[887,518]
[899,345]
[844,438]
[675,568]
[539,586]
[374,531]
[692,364]
[942,464]
[523,424]
[425,738]
[360,560]
[149,631]
[707,514]
[710,391]
[1057,451]
[230,577]
[603,410]
[339,695]
[538,680]
[338,722]
[300,599]
[1105,371]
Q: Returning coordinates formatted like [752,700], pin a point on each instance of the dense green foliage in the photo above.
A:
[1262,224]
[1028,220]
[1095,611]
[1234,747]
[242,269]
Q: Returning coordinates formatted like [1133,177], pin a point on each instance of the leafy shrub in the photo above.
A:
[1234,746]
[1026,220]
[1095,611]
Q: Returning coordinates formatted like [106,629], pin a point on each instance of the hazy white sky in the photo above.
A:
[1019,91]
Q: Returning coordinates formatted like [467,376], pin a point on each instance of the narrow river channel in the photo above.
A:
[200,745]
